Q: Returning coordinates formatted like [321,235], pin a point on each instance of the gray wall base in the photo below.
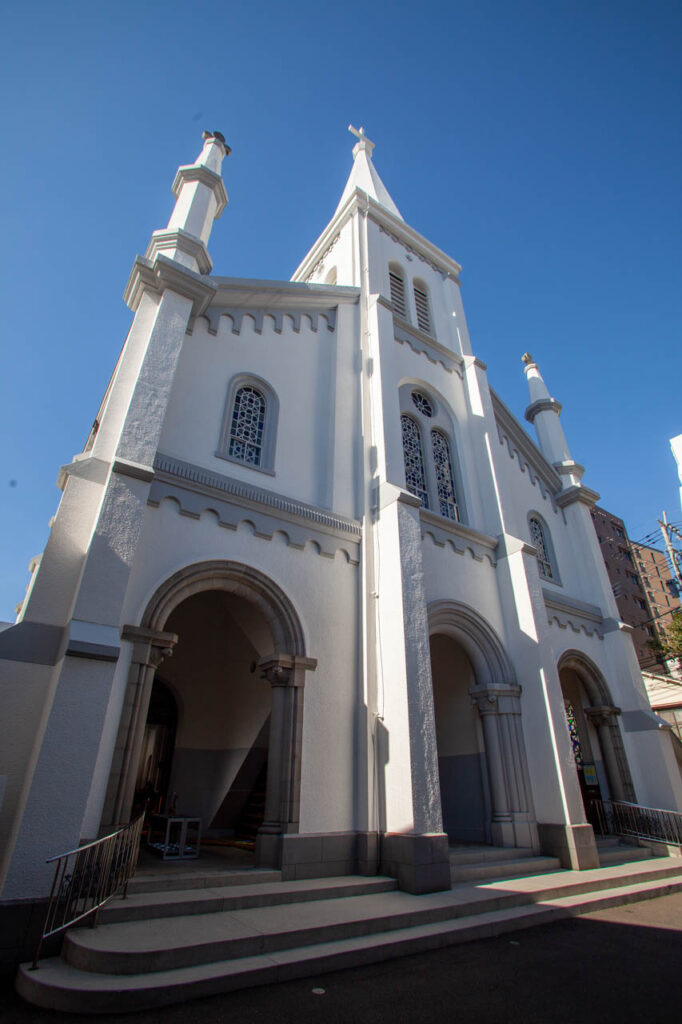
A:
[324,854]
[574,845]
[420,863]
[21,925]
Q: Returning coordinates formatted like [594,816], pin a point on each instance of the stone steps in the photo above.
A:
[139,964]
[509,868]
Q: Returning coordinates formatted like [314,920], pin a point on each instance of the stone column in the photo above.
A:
[500,711]
[286,675]
[150,647]
[604,719]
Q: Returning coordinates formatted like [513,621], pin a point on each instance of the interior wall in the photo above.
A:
[461,756]
[223,704]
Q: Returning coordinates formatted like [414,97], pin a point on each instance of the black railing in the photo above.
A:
[616,817]
[87,877]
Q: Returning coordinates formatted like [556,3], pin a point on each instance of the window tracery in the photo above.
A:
[415,477]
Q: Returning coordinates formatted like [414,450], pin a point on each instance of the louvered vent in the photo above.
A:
[398,294]
[422,305]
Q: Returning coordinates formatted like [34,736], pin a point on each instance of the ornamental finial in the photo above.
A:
[526,358]
[363,144]
[220,138]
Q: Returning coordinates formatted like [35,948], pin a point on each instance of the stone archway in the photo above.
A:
[284,667]
[495,695]
[587,696]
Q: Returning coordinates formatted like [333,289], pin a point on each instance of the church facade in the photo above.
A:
[308,551]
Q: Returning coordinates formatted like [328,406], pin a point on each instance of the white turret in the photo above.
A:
[200,199]
[364,175]
[543,412]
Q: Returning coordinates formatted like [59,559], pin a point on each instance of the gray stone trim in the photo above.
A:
[185,242]
[585,495]
[136,470]
[258,315]
[542,405]
[574,845]
[164,273]
[35,642]
[570,604]
[460,538]
[424,344]
[202,174]
[527,453]
[96,652]
[204,481]
[420,863]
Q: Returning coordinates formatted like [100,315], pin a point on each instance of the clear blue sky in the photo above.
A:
[537,143]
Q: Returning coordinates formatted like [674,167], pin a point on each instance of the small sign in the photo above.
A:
[590,775]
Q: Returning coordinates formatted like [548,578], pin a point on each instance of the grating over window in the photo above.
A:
[246,428]
[537,536]
[443,463]
[421,301]
[421,402]
[415,478]
[398,294]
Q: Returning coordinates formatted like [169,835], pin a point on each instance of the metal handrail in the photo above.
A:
[655,824]
[88,877]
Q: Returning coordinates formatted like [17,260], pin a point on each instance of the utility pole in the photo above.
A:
[674,555]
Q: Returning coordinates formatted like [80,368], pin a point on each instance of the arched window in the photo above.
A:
[442,462]
[397,284]
[246,429]
[249,428]
[421,303]
[429,452]
[415,477]
[540,539]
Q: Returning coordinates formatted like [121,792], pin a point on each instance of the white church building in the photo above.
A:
[308,549]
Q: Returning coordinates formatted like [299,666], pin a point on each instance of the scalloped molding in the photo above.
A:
[529,457]
[569,613]
[214,314]
[461,539]
[196,490]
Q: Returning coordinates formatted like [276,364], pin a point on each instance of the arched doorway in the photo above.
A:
[238,669]
[592,720]
[485,787]
[154,765]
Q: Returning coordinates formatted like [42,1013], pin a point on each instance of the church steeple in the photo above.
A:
[200,199]
[364,175]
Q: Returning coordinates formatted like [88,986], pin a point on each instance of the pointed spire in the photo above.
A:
[543,412]
[364,176]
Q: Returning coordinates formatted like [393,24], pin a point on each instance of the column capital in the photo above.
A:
[150,646]
[603,714]
[496,700]
[282,669]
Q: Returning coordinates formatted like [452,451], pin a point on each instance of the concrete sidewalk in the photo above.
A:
[609,966]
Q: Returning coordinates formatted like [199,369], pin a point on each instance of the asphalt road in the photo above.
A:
[622,965]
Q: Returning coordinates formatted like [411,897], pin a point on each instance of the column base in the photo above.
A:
[268,850]
[574,845]
[420,863]
[515,832]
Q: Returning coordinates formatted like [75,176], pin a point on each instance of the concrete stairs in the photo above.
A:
[158,948]
[474,863]
[613,850]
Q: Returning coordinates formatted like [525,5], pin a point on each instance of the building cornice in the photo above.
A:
[511,430]
[460,537]
[542,405]
[163,273]
[202,174]
[577,493]
[560,602]
[161,241]
[245,292]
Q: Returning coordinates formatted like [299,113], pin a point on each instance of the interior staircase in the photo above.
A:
[235,930]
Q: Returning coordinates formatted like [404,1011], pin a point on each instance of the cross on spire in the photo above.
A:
[363,145]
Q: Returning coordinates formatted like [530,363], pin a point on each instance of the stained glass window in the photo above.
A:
[415,478]
[537,536]
[421,402]
[573,732]
[446,489]
[246,428]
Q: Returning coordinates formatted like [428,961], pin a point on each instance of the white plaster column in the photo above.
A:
[604,719]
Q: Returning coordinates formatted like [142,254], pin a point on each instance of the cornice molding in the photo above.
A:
[577,493]
[542,405]
[200,173]
[182,240]
[163,273]
[459,537]
[214,313]
[249,292]
[560,602]
[173,476]
[423,344]
[528,454]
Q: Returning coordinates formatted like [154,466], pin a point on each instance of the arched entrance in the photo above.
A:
[485,788]
[592,720]
[238,669]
